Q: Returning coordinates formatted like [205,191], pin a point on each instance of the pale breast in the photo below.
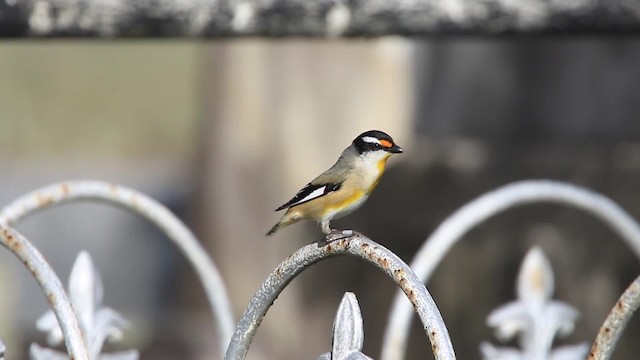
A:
[371,169]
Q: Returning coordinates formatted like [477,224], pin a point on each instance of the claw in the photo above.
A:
[339,235]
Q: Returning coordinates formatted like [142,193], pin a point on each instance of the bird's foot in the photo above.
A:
[339,235]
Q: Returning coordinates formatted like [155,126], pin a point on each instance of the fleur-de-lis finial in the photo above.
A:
[97,323]
[534,318]
[348,332]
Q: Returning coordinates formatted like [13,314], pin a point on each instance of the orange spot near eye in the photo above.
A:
[386,143]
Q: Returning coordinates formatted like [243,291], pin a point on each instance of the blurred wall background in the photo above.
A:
[225,132]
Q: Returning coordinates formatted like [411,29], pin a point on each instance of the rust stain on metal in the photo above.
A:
[11,241]
[52,298]
[398,274]
[412,296]
[14,244]
[64,188]
[43,200]
[33,270]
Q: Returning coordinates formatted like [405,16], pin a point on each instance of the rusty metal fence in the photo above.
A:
[79,319]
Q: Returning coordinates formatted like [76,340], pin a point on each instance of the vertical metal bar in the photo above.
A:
[151,210]
[475,212]
[359,246]
[616,322]
[52,288]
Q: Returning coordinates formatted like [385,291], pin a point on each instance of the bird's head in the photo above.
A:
[375,142]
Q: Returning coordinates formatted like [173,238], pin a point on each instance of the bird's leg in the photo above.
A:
[324,225]
[334,234]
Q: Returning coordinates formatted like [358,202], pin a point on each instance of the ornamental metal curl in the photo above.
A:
[154,212]
[357,245]
[477,211]
[52,288]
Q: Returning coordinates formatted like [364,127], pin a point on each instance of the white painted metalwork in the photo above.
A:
[356,245]
[151,210]
[51,286]
[484,207]
[98,324]
[534,318]
[348,332]
[81,321]
[616,322]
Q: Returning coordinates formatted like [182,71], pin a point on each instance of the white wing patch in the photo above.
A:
[371,139]
[314,194]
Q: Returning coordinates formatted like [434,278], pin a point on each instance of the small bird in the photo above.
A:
[344,187]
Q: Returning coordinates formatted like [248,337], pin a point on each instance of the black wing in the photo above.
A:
[310,192]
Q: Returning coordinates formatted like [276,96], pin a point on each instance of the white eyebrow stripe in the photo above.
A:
[371,139]
[314,194]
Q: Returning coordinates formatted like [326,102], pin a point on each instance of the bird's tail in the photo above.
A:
[288,219]
[275,228]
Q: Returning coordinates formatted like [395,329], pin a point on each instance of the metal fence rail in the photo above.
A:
[153,211]
[534,317]
[362,247]
[475,212]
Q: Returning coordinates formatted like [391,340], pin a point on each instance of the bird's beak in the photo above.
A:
[395,149]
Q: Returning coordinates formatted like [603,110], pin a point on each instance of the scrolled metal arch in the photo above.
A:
[153,211]
[477,211]
[357,245]
[52,288]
